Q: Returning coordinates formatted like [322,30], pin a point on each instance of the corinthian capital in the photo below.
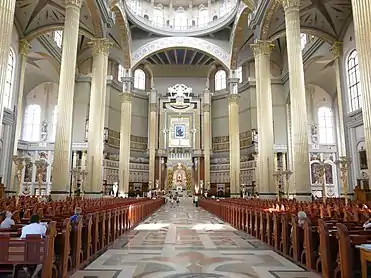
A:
[234,98]
[101,46]
[74,3]
[289,4]
[336,49]
[153,107]
[24,47]
[262,48]
[126,97]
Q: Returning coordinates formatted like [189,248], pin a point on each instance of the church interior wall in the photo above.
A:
[219,117]
[81,110]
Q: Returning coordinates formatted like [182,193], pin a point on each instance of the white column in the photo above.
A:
[301,178]
[262,51]
[97,104]
[234,136]
[152,135]
[7,8]
[206,134]
[63,138]
[336,51]
[125,133]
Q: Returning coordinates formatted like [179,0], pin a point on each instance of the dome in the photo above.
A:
[181,17]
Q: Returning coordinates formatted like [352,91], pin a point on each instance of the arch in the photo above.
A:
[96,18]
[118,8]
[185,42]
[237,38]
[270,10]
[55,27]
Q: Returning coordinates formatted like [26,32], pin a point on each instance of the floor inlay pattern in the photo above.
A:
[188,242]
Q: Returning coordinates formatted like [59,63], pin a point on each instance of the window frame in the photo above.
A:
[180,20]
[139,79]
[31,126]
[9,80]
[353,82]
[120,72]
[58,38]
[220,83]
[326,127]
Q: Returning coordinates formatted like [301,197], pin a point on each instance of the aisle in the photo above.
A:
[188,242]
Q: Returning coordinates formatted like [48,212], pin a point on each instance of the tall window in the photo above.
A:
[180,21]
[203,15]
[139,79]
[32,123]
[220,80]
[303,40]
[8,90]
[355,94]
[54,123]
[158,16]
[239,74]
[58,37]
[120,73]
[326,125]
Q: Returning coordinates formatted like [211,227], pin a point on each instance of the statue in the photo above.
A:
[115,189]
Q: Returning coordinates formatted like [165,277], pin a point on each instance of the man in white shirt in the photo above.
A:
[8,221]
[34,228]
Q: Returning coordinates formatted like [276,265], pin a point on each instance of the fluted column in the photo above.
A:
[95,131]
[24,48]
[63,138]
[362,30]
[262,51]
[125,132]
[7,8]
[206,136]
[336,51]
[300,155]
[234,137]
[152,135]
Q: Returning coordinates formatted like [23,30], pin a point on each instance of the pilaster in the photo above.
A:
[234,143]
[206,135]
[152,135]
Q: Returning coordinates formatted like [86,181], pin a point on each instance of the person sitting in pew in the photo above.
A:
[74,217]
[8,221]
[34,228]
[301,217]
[367,224]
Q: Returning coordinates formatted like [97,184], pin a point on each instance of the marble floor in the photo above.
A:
[188,242]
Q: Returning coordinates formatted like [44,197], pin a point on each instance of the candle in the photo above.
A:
[83,160]
[74,160]
[275,162]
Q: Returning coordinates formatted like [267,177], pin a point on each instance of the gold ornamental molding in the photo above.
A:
[336,49]
[153,107]
[101,46]
[262,48]
[234,98]
[73,3]
[24,47]
[290,4]
[126,97]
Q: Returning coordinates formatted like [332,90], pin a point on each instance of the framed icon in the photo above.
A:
[179,132]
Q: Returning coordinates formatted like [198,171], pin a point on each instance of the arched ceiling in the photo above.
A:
[327,19]
[180,56]
[35,15]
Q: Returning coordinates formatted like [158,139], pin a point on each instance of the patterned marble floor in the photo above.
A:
[188,242]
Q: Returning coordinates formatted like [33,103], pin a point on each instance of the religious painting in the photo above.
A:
[179,131]
[363,159]
[328,174]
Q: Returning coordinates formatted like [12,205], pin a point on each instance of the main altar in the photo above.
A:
[179,150]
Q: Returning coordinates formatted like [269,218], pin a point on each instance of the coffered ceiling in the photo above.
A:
[327,19]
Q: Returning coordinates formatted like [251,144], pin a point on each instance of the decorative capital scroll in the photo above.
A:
[74,3]
[289,4]
[234,98]
[24,47]
[153,107]
[262,48]
[206,107]
[101,46]
[336,49]
[126,97]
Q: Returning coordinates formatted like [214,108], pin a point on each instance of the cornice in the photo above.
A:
[107,15]
[258,14]
[118,86]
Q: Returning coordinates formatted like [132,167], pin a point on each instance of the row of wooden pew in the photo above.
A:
[68,245]
[326,243]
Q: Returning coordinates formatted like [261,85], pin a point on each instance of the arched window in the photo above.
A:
[31,130]
[239,74]
[54,123]
[58,38]
[158,16]
[120,73]
[203,16]
[326,125]
[303,40]
[8,90]
[180,21]
[220,80]
[355,94]
[139,79]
